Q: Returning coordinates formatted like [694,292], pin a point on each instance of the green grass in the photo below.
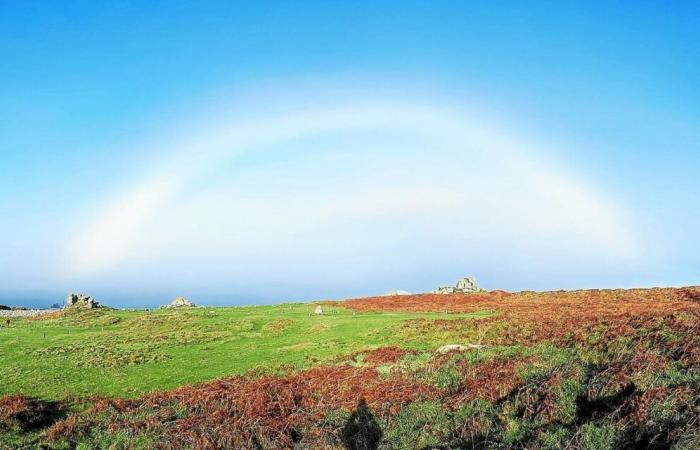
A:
[127,353]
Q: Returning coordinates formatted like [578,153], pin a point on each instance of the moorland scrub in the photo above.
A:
[584,369]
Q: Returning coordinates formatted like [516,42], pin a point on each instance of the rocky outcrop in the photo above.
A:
[81,301]
[179,302]
[396,292]
[466,285]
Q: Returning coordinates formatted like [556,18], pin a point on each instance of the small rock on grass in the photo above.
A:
[457,348]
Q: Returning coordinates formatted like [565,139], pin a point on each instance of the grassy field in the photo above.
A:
[596,370]
[126,353]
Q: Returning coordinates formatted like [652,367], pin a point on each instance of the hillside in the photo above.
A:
[583,369]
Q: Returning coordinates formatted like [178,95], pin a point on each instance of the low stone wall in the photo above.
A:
[25,313]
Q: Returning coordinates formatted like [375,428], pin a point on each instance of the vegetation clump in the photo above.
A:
[97,355]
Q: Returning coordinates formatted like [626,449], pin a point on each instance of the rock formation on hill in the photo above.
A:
[397,292]
[81,301]
[179,302]
[466,285]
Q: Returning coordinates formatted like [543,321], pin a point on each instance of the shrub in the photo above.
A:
[475,421]
[448,378]
[554,439]
[565,395]
[598,436]
[421,425]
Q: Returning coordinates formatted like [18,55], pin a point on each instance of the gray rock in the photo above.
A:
[457,348]
[396,292]
[444,290]
[179,302]
[81,301]
[466,285]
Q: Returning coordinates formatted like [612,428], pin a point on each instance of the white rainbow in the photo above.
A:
[556,197]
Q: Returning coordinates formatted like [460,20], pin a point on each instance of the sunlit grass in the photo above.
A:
[125,353]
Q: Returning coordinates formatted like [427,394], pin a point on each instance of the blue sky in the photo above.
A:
[256,152]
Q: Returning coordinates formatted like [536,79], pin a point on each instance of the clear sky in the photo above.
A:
[265,151]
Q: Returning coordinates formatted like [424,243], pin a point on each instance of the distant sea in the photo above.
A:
[45,301]
[31,302]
